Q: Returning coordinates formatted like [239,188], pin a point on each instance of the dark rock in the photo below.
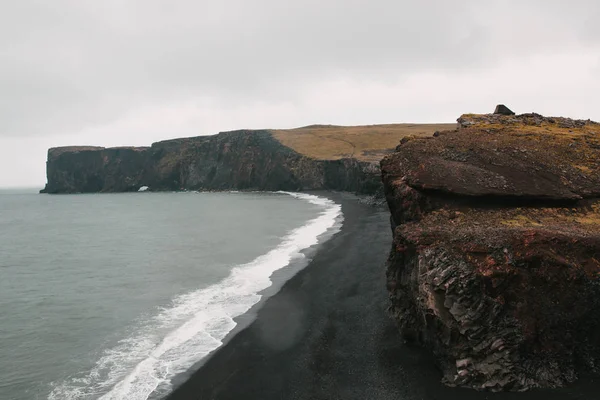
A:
[240,160]
[494,264]
[501,109]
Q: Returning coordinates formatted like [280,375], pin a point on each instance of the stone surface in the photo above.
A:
[495,261]
[503,110]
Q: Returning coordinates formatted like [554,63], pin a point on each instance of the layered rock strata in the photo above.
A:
[495,262]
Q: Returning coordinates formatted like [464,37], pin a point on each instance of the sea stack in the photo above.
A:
[494,265]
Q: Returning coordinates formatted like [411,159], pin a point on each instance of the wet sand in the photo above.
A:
[326,334]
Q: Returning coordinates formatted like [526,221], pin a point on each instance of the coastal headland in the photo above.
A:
[493,272]
[318,157]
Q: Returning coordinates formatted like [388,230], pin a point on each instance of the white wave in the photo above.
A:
[195,324]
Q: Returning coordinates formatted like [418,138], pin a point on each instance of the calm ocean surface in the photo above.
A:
[109,296]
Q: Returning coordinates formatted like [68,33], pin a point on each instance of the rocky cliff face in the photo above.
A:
[495,263]
[251,160]
[95,169]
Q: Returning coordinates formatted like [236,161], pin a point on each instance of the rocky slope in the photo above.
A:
[316,157]
[495,263]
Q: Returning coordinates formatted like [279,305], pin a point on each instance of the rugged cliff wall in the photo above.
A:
[95,169]
[230,160]
[495,263]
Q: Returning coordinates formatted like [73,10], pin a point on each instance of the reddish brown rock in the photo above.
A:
[495,264]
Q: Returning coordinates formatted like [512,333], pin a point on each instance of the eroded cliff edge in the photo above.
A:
[244,160]
[495,262]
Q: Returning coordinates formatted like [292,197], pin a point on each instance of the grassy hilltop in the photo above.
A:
[365,143]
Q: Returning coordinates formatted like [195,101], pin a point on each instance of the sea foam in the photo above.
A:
[142,365]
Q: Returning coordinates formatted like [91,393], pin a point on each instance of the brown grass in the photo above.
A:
[526,127]
[568,148]
[544,129]
[520,220]
[366,143]
[587,217]
[591,217]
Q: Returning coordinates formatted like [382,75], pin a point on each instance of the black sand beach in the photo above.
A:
[326,334]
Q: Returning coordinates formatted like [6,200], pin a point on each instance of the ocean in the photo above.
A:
[111,296]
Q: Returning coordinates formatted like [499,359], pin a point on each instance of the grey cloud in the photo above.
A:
[67,65]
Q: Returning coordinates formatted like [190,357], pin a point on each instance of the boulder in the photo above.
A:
[501,109]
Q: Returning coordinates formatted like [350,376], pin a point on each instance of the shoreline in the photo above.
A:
[325,334]
[278,278]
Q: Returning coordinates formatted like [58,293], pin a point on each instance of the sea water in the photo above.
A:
[110,296]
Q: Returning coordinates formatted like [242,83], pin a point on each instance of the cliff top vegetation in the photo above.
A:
[365,143]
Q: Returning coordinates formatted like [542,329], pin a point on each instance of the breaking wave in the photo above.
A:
[142,365]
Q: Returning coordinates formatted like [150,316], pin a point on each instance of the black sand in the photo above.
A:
[326,335]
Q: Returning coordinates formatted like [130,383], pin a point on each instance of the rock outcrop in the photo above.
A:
[503,110]
[243,160]
[495,263]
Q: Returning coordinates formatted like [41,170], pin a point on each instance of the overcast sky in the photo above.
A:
[131,72]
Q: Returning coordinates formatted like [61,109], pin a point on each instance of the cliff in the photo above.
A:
[316,157]
[495,262]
